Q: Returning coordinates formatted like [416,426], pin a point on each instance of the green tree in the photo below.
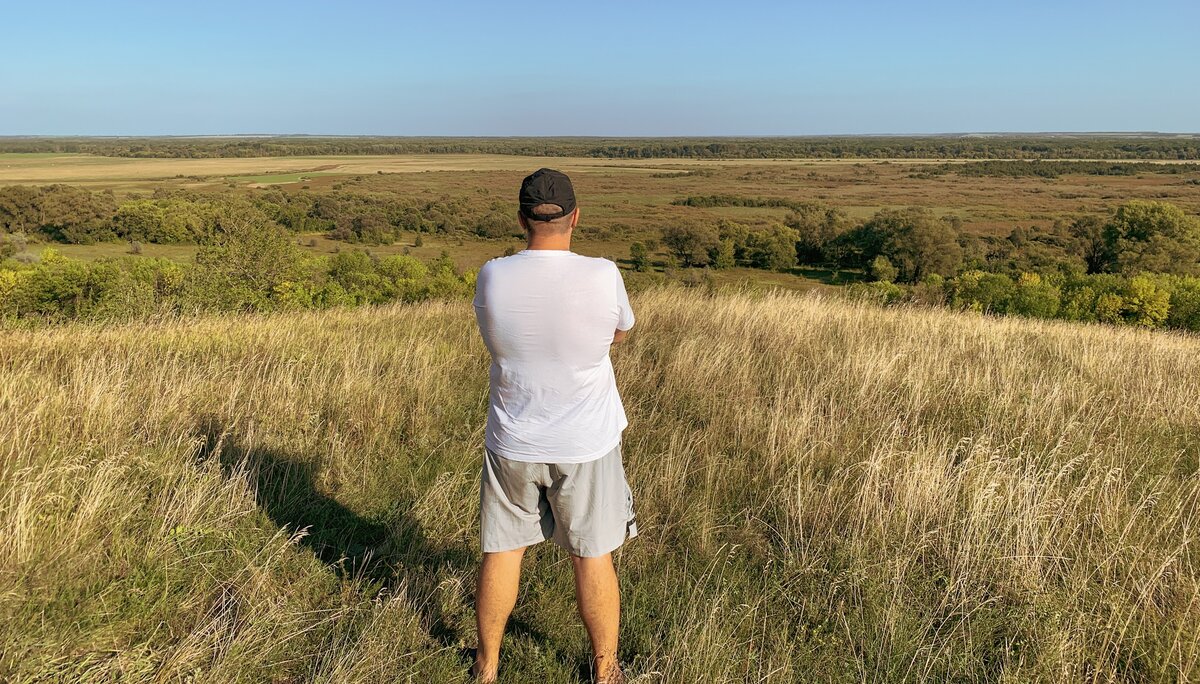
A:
[772,248]
[1033,297]
[249,257]
[882,270]
[497,225]
[983,292]
[1146,302]
[916,243]
[691,243]
[639,257]
[817,228]
[724,257]
[140,220]
[1087,235]
[913,239]
[355,271]
[1152,236]
[1184,308]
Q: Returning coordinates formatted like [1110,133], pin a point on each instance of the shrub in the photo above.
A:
[639,257]
[249,256]
[1184,306]
[1146,303]
[879,291]
[913,240]
[1034,298]
[882,270]
[983,292]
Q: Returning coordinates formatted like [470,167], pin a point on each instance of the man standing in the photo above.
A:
[552,464]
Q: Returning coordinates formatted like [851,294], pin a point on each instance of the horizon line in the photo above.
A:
[1131,133]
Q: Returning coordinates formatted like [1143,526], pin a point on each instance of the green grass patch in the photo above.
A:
[281,178]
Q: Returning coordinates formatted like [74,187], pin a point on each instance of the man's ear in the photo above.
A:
[524,222]
[575,218]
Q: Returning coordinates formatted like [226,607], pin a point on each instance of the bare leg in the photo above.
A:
[495,596]
[599,600]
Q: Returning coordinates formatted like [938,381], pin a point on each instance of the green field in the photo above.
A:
[278,178]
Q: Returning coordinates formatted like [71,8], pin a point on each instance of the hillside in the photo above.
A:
[826,491]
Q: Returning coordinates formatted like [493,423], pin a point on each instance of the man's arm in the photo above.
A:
[625,317]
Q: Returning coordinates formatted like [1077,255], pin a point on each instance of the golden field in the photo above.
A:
[826,492]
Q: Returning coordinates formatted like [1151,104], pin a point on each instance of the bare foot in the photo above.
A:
[483,675]
[612,674]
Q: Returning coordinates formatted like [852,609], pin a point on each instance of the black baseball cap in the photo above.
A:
[546,186]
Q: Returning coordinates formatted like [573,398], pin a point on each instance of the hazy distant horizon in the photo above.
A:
[715,136]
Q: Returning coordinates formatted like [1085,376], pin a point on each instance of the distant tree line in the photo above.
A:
[738,201]
[248,263]
[841,147]
[68,214]
[1053,169]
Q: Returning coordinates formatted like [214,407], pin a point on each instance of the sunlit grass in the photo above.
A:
[826,492]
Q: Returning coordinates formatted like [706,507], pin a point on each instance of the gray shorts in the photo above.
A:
[586,508]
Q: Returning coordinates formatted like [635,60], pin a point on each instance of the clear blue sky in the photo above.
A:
[598,68]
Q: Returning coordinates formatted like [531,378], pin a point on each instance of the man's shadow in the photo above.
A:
[384,553]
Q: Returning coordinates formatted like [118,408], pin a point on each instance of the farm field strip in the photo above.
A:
[41,168]
[81,168]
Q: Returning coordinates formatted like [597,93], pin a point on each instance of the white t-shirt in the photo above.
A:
[548,317]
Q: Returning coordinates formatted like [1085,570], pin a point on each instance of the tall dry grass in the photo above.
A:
[826,492]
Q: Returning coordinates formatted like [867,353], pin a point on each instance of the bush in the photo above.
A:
[639,257]
[11,245]
[817,230]
[249,258]
[497,225]
[982,292]
[60,289]
[162,221]
[882,270]
[879,291]
[1184,305]
[1034,298]
[1146,302]
[61,213]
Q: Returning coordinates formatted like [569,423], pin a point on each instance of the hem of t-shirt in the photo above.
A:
[627,329]
[543,458]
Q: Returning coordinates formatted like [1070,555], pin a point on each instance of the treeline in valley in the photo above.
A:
[1061,146]
[247,260]
[1138,265]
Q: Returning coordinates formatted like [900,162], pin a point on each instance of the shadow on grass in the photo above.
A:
[385,554]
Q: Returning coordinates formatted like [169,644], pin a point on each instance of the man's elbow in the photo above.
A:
[619,336]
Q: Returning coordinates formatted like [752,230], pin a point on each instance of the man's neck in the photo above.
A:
[557,243]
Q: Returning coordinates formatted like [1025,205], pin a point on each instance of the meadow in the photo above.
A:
[623,200]
[827,491]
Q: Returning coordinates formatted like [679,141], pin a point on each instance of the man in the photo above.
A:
[552,463]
